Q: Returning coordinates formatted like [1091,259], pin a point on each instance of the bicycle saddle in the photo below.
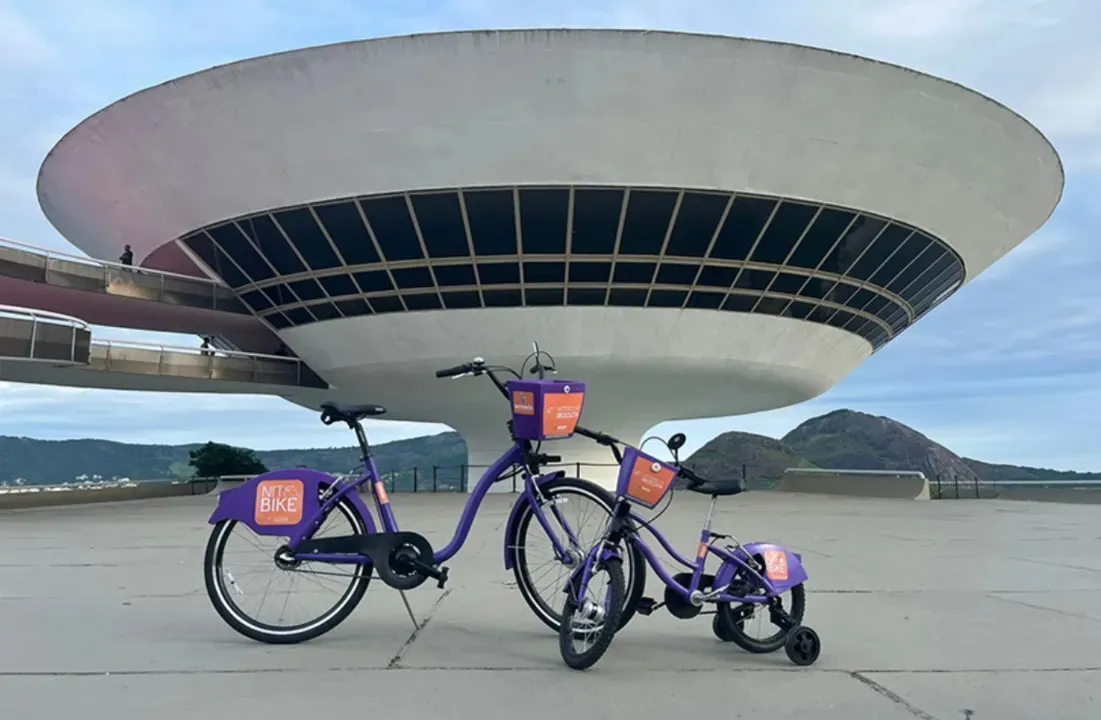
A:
[336,412]
[719,488]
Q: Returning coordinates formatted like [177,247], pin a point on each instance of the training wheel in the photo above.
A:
[802,646]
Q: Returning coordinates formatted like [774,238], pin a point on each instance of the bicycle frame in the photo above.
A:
[238,504]
[732,562]
[697,567]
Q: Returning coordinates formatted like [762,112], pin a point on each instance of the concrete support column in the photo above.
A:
[581,457]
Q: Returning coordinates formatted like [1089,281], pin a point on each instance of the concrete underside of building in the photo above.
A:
[697,226]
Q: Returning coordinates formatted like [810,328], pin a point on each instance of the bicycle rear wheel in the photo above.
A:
[589,623]
[586,508]
[260,577]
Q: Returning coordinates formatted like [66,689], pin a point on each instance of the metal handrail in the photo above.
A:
[211,354]
[37,317]
[93,262]
[22,313]
[138,345]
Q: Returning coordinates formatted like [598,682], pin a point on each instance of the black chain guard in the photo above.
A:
[385,550]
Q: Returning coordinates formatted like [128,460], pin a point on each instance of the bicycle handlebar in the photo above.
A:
[693,479]
[455,371]
[478,367]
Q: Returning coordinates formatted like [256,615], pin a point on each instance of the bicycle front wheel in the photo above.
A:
[582,508]
[589,622]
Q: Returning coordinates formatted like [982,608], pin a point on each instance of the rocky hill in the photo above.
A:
[855,441]
[858,441]
[764,458]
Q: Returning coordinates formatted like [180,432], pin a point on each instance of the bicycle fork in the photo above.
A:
[577,585]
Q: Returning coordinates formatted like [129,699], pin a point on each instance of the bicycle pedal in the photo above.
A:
[646,605]
[442,578]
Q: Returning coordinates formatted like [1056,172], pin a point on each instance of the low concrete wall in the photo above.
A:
[902,486]
[227,484]
[146,491]
[1083,496]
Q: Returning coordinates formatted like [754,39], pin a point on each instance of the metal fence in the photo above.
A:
[431,479]
[953,487]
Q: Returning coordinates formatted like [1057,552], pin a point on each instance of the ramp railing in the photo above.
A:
[36,264]
[37,335]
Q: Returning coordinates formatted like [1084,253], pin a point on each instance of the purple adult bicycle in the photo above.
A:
[750,582]
[326,540]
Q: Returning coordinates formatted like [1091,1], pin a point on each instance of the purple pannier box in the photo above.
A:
[545,409]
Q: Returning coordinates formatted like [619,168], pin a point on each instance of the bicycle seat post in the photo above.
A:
[361,436]
[710,514]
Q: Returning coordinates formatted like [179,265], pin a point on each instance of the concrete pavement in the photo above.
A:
[925,610]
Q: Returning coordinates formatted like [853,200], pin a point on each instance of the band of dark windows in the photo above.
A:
[581,246]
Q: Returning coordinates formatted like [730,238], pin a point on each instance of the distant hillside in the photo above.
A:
[764,458]
[48,461]
[840,439]
[1014,473]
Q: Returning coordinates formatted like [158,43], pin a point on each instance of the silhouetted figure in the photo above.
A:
[283,350]
[205,347]
[127,257]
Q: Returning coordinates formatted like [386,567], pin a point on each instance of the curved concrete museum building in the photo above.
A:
[695,225]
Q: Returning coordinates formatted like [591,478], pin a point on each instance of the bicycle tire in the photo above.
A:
[729,630]
[587,658]
[542,610]
[263,632]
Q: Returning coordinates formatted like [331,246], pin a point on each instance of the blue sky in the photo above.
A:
[1008,370]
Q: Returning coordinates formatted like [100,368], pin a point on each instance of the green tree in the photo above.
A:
[217,460]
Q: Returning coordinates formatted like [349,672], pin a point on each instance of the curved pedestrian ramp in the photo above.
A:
[116,295]
[891,484]
[29,263]
[48,348]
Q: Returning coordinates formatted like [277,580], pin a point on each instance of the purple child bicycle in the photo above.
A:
[752,578]
[325,537]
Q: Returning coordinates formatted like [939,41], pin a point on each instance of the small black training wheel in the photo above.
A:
[802,646]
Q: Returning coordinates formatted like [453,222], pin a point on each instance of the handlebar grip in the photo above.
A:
[452,372]
[552,459]
[691,477]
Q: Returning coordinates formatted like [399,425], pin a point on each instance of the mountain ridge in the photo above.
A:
[843,439]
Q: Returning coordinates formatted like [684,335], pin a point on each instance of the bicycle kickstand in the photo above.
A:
[409,609]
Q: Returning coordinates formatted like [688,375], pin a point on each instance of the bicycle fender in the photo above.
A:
[281,502]
[783,568]
[513,524]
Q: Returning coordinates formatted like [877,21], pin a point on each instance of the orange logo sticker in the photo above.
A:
[523,403]
[649,481]
[776,564]
[380,491]
[702,551]
[279,502]
[561,411]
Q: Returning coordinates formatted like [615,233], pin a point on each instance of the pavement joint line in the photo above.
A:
[858,674]
[893,697]
[395,661]
[1057,564]
[1022,603]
